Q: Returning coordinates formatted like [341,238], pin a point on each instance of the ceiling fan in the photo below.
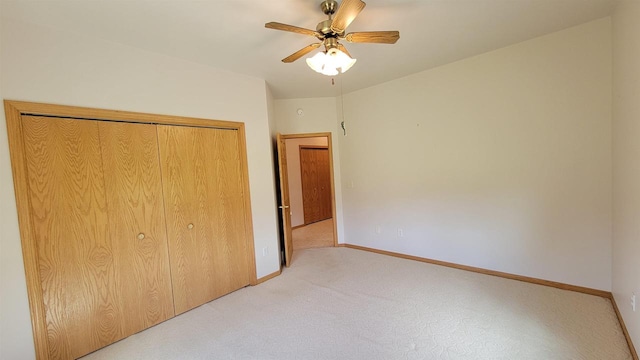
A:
[335,58]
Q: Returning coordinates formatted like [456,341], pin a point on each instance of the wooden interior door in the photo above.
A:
[316,183]
[205,213]
[77,260]
[284,200]
[136,222]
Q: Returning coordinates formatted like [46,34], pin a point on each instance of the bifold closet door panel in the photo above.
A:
[311,200]
[205,213]
[316,184]
[136,222]
[77,259]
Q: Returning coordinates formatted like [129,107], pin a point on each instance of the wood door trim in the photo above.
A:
[333,191]
[29,251]
[76,112]
[248,215]
[318,147]
[14,110]
[308,135]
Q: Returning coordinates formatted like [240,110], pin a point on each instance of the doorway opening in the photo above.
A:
[307,192]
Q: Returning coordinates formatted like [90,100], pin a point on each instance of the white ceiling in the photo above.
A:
[230,34]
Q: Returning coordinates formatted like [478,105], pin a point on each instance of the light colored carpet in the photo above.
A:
[319,234]
[339,303]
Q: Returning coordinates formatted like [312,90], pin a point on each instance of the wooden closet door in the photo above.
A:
[77,259]
[316,184]
[205,213]
[310,189]
[95,190]
[136,222]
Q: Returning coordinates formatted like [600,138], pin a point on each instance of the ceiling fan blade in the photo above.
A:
[344,50]
[290,28]
[376,37]
[300,53]
[347,11]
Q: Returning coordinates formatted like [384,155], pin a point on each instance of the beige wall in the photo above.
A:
[295,176]
[15,329]
[46,65]
[500,161]
[319,115]
[626,162]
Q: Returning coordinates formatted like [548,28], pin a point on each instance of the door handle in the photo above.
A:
[283,207]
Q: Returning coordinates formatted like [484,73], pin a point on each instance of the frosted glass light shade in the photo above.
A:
[330,63]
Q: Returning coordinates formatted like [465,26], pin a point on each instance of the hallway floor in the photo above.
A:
[319,234]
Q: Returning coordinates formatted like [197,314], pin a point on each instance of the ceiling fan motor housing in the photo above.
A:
[324,28]
[329,7]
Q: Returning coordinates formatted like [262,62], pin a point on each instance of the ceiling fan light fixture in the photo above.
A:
[330,63]
[316,62]
[342,61]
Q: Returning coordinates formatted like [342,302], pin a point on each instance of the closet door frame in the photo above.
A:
[14,110]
